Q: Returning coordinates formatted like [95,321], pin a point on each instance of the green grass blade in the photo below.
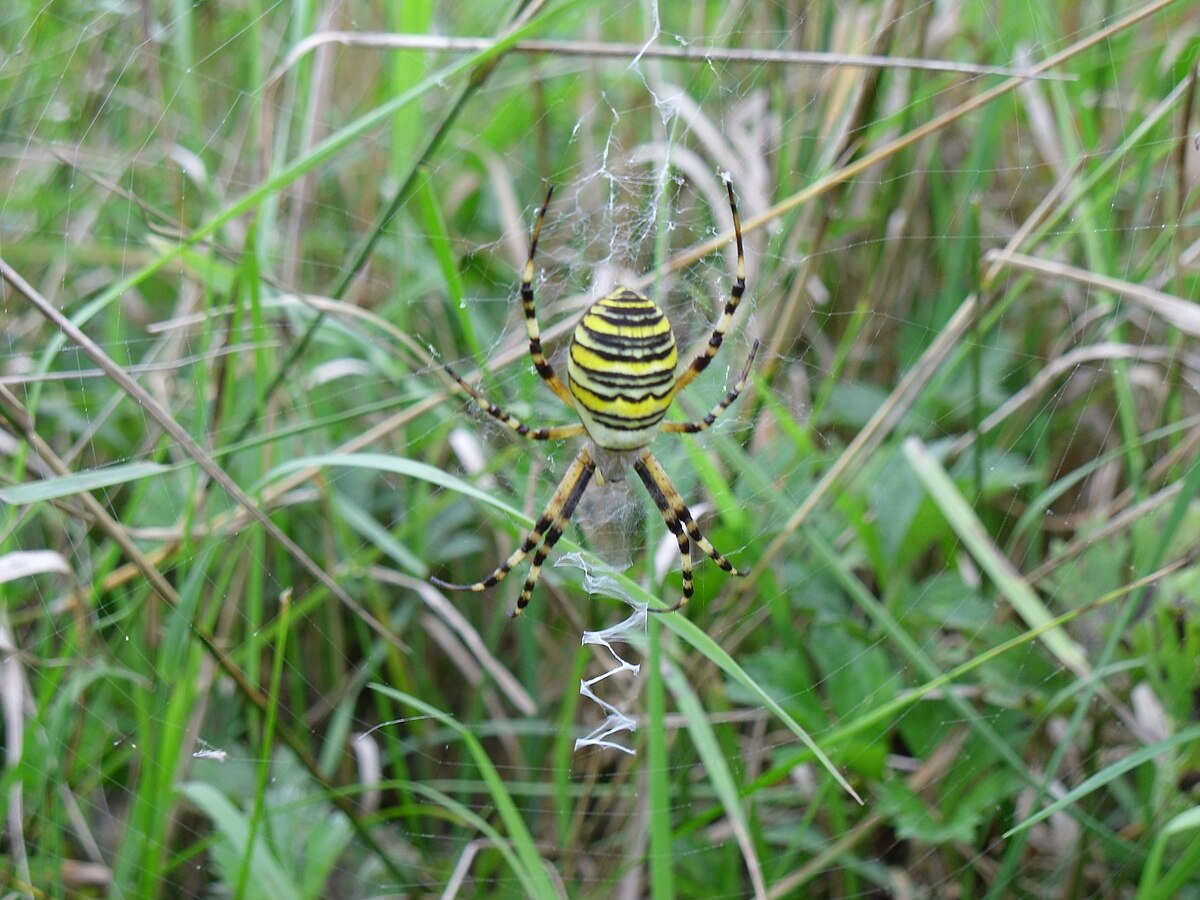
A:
[77,483]
[532,869]
[972,533]
[716,770]
[1185,738]
[265,878]
[682,626]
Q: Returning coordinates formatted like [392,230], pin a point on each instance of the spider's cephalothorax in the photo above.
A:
[620,381]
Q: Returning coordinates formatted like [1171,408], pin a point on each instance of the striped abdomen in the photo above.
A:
[621,370]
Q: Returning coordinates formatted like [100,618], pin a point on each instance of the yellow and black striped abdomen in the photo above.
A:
[621,370]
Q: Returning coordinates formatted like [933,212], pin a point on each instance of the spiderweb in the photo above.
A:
[973,413]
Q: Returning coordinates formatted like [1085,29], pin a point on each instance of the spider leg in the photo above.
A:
[547,529]
[700,363]
[534,434]
[579,474]
[676,528]
[679,520]
[706,423]
[544,369]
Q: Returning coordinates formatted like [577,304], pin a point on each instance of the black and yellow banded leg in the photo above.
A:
[700,363]
[546,532]
[562,507]
[651,472]
[707,422]
[557,433]
[544,369]
[676,528]
[620,381]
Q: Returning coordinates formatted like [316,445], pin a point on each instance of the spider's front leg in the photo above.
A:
[679,520]
[545,534]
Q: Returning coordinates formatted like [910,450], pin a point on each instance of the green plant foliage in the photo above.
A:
[238,242]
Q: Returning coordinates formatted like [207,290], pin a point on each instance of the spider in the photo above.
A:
[620,382]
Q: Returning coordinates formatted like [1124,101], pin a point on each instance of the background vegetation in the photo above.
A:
[964,474]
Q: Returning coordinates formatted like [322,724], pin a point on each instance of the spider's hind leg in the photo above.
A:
[536,353]
[705,356]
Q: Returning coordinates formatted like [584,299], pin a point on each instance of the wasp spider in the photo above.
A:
[620,382]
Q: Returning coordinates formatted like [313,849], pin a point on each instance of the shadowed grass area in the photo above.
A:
[238,242]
